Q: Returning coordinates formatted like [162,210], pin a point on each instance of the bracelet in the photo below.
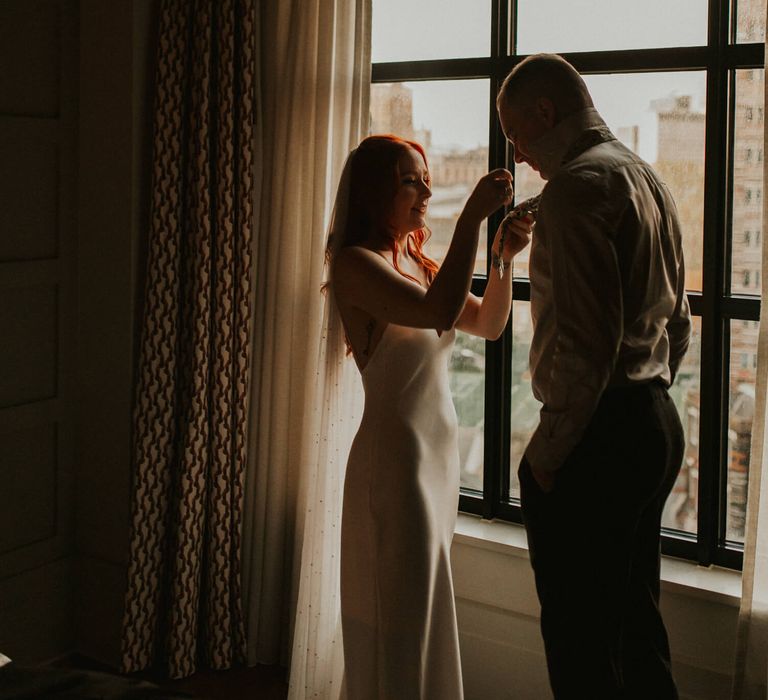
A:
[497,263]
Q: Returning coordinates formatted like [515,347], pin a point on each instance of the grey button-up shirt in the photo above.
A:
[607,281]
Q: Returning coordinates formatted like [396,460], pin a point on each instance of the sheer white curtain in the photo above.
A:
[313,97]
[751,672]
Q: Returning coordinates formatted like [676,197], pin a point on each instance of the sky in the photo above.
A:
[457,111]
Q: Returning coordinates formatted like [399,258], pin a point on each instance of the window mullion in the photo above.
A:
[497,353]
[511,25]
[496,415]
[711,425]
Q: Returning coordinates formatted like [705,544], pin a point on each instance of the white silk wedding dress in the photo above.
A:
[400,500]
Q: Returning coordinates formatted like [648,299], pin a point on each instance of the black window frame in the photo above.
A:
[715,304]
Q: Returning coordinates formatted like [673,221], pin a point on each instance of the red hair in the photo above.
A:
[375,179]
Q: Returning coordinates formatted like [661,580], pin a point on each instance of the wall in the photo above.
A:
[501,648]
[74,148]
[115,126]
[38,317]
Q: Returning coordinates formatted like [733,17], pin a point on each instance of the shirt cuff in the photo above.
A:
[545,453]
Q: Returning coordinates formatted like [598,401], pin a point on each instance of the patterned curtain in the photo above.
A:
[183,603]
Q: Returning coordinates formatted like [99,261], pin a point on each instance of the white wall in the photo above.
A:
[501,648]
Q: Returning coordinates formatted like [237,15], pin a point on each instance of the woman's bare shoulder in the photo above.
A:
[357,252]
[355,258]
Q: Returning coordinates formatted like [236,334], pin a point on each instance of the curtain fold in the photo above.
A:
[751,665]
[314,85]
[183,601]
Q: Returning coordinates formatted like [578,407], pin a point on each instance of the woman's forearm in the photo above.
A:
[448,291]
[495,305]
[493,311]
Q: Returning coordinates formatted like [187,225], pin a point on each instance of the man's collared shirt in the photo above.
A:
[607,281]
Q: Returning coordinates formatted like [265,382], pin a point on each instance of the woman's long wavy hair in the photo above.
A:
[374,181]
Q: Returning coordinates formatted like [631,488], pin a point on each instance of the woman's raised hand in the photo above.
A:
[492,191]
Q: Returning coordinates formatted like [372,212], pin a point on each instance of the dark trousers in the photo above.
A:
[594,545]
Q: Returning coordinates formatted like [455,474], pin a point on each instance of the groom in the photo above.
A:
[611,326]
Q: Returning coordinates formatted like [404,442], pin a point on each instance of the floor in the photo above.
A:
[256,683]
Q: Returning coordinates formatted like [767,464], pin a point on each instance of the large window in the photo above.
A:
[686,93]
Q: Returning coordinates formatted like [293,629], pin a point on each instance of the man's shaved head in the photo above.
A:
[549,76]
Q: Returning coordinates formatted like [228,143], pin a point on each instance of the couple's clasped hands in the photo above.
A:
[492,191]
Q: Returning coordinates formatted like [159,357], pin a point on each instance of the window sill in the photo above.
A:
[677,575]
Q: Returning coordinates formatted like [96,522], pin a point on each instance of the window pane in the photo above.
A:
[604,25]
[750,21]
[681,511]
[661,117]
[450,119]
[741,405]
[467,375]
[524,407]
[746,229]
[428,29]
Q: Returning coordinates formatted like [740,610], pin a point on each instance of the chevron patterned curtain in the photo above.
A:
[183,599]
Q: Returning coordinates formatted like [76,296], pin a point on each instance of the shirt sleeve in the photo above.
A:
[588,314]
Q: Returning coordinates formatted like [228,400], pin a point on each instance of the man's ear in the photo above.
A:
[546,111]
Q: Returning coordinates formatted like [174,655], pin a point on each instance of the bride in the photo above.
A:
[400,311]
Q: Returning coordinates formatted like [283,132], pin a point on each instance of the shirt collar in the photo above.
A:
[548,150]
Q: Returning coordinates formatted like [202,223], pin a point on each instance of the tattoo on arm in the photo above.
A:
[369,327]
